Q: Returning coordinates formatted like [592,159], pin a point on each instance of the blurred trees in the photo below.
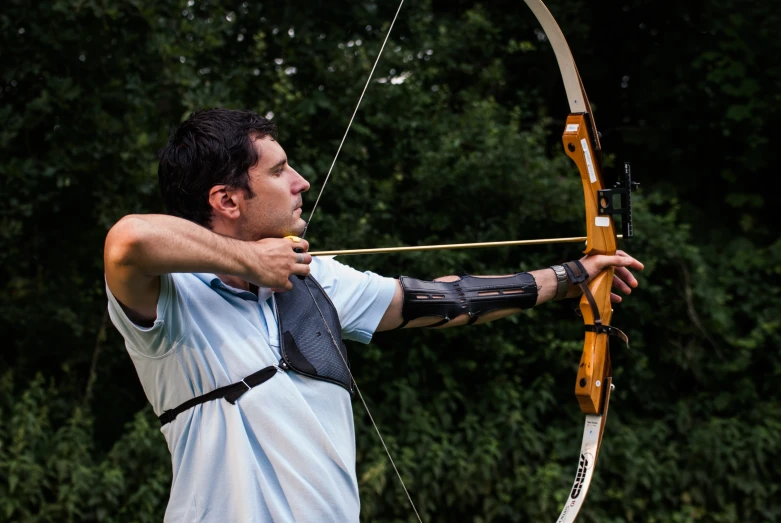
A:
[458,139]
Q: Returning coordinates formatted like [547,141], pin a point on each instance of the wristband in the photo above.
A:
[562,282]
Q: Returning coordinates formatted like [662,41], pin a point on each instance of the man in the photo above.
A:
[235,330]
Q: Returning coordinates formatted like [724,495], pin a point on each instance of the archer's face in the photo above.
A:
[275,211]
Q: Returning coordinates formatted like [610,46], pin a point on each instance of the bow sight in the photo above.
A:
[624,188]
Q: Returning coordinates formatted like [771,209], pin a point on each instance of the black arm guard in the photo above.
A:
[468,295]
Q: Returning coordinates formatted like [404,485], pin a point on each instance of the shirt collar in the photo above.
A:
[215,283]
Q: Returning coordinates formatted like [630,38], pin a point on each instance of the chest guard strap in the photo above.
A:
[469,295]
[231,393]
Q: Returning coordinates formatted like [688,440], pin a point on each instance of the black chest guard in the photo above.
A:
[310,332]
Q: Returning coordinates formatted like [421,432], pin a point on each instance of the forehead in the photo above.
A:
[269,150]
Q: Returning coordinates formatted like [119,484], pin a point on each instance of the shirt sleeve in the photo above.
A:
[360,298]
[168,329]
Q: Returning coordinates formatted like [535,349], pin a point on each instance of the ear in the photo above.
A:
[224,202]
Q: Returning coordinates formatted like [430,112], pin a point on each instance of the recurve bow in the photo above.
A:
[581,144]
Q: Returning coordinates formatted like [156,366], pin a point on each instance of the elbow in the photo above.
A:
[124,241]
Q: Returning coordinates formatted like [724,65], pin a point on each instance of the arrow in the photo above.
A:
[451,246]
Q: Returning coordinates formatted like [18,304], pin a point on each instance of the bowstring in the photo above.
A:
[349,125]
[365,406]
[303,234]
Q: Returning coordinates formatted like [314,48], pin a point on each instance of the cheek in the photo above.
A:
[273,201]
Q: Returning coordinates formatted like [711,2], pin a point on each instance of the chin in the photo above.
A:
[296,230]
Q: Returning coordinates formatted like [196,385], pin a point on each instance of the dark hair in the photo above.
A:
[212,147]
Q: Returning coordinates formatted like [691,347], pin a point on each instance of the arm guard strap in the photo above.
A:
[468,295]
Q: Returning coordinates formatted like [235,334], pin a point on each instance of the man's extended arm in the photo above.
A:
[140,248]
[545,280]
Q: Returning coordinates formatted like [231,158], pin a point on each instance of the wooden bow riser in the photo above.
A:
[594,368]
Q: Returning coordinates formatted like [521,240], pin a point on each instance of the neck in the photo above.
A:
[236,282]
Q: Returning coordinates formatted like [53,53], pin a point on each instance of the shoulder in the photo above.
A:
[344,283]
[324,267]
[336,275]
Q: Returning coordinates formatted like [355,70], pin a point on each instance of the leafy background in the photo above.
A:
[458,140]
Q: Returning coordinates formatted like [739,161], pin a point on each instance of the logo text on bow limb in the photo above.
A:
[565,514]
[586,461]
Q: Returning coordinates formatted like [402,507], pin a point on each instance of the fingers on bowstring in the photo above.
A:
[286,287]
[301,269]
[303,258]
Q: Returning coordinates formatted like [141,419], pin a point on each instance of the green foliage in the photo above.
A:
[54,472]
[457,140]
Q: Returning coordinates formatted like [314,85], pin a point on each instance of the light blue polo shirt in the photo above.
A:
[285,451]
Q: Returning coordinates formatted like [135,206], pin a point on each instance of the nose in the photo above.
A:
[300,184]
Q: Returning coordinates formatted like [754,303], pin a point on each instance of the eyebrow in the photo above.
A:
[280,163]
